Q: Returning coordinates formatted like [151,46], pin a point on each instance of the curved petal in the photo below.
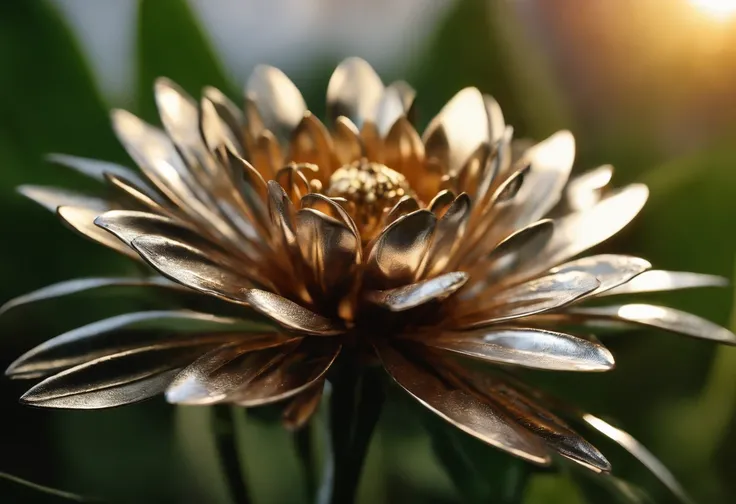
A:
[354,91]
[397,101]
[290,314]
[82,220]
[659,317]
[180,117]
[113,380]
[125,332]
[585,190]
[141,196]
[127,225]
[279,103]
[533,348]
[96,169]
[448,235]
[217,374]
[611,270]
[399,250]
[410,296]
[77,285]
[51,198]
[658,280]
[301,408]
[462,409]
[346,136]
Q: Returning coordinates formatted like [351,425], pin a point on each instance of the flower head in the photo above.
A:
[415,251]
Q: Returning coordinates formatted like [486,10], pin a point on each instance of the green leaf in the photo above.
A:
[553,489]
[171,44]
[481,473]
[15,489]
[483,44]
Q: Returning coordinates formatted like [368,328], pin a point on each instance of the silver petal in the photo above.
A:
[533,348]
[585,190]
[290,314]
[417,294]
[611,270]
[462,409]
[659,317]
[82,220]
[52,198]
[278,101]
[448,235]
[96,169]
[396,102]
[128,225]
[658,280]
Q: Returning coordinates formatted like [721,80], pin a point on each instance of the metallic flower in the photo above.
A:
[360,235]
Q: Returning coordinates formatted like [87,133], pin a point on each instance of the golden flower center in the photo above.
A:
[372,188]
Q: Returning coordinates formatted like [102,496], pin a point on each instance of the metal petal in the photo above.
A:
[96,169]
[346,137]
[405,206]
[290,314]
[217,374]
[417,294]
[458,130]
[462,409]
[124,332]
[441,202]
[579,231]
[533,348]
[112,380]
[329,207]
[296,373]
[448,236]
[659,317]
[354,91]
[201,270]
[128,225]
[301,408]
[530,298]
[403,151]
[640,452]
[585,190]
[278,101]
[329,249]
[474,171]
[531,415]
[52,198]
[179,115]
[311,143]
[397,101]
[658,280]
[399,250]
[140,196]
[266,155]
[77,285]
[229,113]
[611,270]
[217,132]
[82,220]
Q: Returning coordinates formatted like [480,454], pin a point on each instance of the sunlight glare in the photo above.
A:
[718,9]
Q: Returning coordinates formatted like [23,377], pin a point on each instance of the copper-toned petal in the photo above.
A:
[279,102]
[354,91]
[179,115]
[82,220]
[405,206]
[296,373]
[506,262]
[474,171]
[113,380]
[533,348]
[397,101]
[403,151]
[266,155]
[310,142]
[217,133]
[329,248]
[128,225]
[96,169]
[458,130]
[659,317]
[399,250]
[123,332]
[411,296]
[77,285]
[301,408]
[640,452]
[462,409]
[141,196]
[196,268]
[448,236]
[346,138]
[530,414]
[253,191]
[658,280]
[611,270]
[585,190]
[579,231]
[290,314]
[329,207]
[441,202]
[52,198]
[220,372]
[530,298]
[228,112]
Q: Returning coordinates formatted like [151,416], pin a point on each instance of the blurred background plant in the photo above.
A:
[645,85]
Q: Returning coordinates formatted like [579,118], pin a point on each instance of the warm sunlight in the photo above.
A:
[718,9]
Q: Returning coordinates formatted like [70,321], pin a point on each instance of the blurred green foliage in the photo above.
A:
[676,395]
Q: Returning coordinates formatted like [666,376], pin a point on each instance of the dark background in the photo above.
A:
[647,85]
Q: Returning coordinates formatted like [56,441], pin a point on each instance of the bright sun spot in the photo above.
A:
[719,9]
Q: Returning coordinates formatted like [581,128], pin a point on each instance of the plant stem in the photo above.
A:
[355,405]
[305,451]
[227,449]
